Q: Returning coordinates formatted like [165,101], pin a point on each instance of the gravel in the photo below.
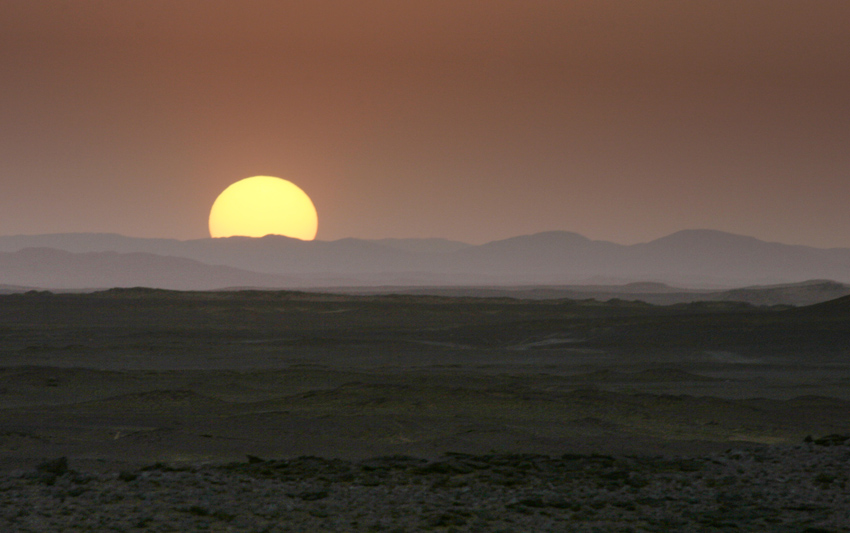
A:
[802,488]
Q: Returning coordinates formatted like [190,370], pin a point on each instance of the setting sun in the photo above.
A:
[263,205]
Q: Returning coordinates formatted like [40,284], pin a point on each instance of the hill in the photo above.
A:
[48,268]
[804,293]
[694,258]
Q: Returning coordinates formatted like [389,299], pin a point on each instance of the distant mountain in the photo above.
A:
[13,289]
[57,269]
[693,258]
[722,257]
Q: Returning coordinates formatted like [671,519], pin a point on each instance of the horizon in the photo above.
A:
[688,258]
[519,236]
[431,119]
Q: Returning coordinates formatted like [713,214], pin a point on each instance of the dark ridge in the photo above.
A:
[836,307]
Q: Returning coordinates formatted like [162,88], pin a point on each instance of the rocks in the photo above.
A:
[832,440]
[770,488]
[56,467]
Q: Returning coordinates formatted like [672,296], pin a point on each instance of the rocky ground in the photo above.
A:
[764,488]
[647,400]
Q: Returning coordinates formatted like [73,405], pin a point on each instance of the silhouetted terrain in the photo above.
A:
[694,258]
[317,412]
[56,269]
[412,374]
[34,268]
[805,293]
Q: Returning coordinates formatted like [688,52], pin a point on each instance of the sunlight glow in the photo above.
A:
[264,205]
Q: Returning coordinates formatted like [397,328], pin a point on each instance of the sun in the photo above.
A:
[264,205]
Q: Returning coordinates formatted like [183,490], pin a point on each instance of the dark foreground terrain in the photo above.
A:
[766,488]
[419,413]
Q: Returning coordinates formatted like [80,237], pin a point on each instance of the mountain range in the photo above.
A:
[698,259]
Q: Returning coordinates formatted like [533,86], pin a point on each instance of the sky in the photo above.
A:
[468,120]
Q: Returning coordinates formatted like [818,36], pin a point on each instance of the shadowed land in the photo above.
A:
[280,411]
[138,375]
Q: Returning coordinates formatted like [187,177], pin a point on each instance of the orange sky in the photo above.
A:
[472,120]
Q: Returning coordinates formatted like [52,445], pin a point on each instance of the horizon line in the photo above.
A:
[447,239]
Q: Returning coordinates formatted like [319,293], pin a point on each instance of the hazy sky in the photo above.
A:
[622,121]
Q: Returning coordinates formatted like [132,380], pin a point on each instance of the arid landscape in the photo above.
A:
[378,266]
[449,413]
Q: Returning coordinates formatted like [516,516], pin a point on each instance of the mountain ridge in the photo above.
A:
[49,268]
[691,258]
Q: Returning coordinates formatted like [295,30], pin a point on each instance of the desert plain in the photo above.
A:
[153,410]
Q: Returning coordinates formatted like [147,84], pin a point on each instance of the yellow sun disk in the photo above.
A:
[263,205]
